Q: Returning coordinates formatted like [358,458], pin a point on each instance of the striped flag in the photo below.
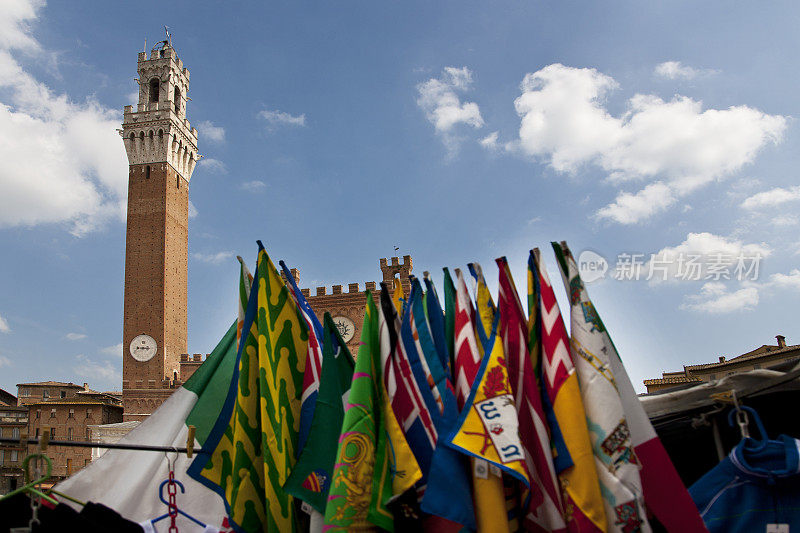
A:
[404,393]
[447,494]
[244,467]
[468,358]
[583,503]
[413,344]
[313,371]
[664,493]
[544,510]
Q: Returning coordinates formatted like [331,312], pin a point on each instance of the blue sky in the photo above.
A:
[457,131]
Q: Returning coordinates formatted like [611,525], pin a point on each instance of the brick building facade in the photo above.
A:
[13,423]
[69,419]
[347,308]
[29,393]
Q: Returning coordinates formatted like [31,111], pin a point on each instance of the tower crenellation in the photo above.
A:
[158,130]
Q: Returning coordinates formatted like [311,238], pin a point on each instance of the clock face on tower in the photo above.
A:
[143,347]
[346,327]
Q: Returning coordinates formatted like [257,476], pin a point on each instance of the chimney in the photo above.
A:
[721,358]
[85,386]
[781,341]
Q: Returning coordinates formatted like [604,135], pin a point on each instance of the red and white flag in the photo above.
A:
[545,509]
[467,358]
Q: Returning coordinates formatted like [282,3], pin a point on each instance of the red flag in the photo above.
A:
[468,358]
[545,509]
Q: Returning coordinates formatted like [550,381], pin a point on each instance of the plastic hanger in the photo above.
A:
[30,486]
[742,415]
[165,502]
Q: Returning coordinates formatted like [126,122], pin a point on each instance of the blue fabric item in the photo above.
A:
[448,492]
[436,322]
[754,486]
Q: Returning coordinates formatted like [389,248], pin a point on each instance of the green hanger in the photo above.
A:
[30,487]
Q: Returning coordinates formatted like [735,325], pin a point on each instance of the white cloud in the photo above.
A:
[14,31]
[71,147]
[438,98]
[275,118]
[490,141]
[211,132]
[114,351]
[784,220]
[253,186]
[5,361]
[75,336]
[106,372]
[786,281]
[771,198]
[193,212]
[214,259]
[673,70]
[629,208]
[4,327]
[704,255]
[714,298]
[675,143]
[213,165]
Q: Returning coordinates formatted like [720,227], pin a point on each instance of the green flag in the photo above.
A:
[450,319]
[362,480]
[253,442]
[310,479]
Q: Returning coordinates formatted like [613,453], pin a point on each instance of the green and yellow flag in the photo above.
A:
[371,455]
[253,441]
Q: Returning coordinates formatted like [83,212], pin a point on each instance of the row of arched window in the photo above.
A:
[150,134]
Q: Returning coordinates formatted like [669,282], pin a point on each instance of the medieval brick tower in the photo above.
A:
[162,152]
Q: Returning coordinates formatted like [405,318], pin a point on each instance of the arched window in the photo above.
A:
[133,136]
[147,172]
[150,134]
[160,134]
[154,90]
[177,98]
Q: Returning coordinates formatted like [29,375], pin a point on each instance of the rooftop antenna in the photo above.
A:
[169,37]
[145,45]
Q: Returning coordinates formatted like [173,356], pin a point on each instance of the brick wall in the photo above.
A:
[156,256]
[29,393]
[69,421]
[351,304]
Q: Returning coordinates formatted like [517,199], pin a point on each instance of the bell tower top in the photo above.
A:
[158,131]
